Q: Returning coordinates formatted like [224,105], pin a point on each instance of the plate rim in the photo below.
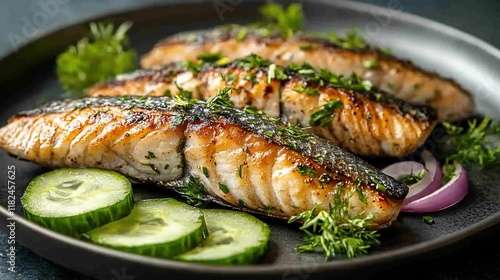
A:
[404,253]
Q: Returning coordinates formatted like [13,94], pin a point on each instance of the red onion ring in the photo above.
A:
[431,181]
[448,195]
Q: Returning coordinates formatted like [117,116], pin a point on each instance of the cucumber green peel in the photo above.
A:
[73,201]
[155,227]
[234,238]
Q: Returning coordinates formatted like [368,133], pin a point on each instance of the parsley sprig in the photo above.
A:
[285,20]
[335,232]
[104,54]
[324,116]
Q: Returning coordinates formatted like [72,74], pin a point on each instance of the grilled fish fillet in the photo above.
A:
[400,78]
[369,122]
[247,161]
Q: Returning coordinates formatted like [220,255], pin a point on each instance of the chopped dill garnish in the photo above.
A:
[193,191]
[334,231]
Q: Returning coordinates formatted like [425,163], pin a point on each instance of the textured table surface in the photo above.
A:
[477,259]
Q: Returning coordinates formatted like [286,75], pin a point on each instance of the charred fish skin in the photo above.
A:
[370,122]
[245,160]
[399,77]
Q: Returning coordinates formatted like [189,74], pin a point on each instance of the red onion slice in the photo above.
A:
[431,181]
[447,196]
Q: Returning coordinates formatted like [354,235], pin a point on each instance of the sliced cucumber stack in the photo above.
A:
[234,238]
[73,201]
[155,227]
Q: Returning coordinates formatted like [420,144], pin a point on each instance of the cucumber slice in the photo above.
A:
[73,200]
[155,227]
[234,238]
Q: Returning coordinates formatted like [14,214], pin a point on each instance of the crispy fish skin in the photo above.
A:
[158,141]
[398,77]
[368,124]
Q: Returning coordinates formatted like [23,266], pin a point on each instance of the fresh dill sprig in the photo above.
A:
[194,191]
[104,54]
[334,232]
[475,145]
[221,99]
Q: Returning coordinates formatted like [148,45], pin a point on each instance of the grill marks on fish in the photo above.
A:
[398,77]
[223,148]
[364,125]
[250,87]
[111,139]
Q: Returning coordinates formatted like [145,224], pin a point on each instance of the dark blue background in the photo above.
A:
[479,18]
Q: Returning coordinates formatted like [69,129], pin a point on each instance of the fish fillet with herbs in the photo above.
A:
[346,111]
[247,161]
[400,78]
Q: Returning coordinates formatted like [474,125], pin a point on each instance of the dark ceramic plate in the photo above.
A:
[28,77]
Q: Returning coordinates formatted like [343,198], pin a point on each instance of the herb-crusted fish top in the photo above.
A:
[347,111]
[334,159]
[398,77]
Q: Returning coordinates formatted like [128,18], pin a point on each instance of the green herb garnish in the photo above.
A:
[309,47]
[269,208]
[193,191]
[306,170]
[186,94]
[353,40]
[275,72]
[229,79]
[325,116]
[242,34]
[291,131]
[223,188]
[209,57]
[361,194]
[306,90]
[104,54]
[475,145]
[335,232]
[251,77]
[153,167]
[221,99]
[386,51]
[239,171]
[205,172]
[277,18]
[150,155]
[371,64]
[428,220]
[411,178]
